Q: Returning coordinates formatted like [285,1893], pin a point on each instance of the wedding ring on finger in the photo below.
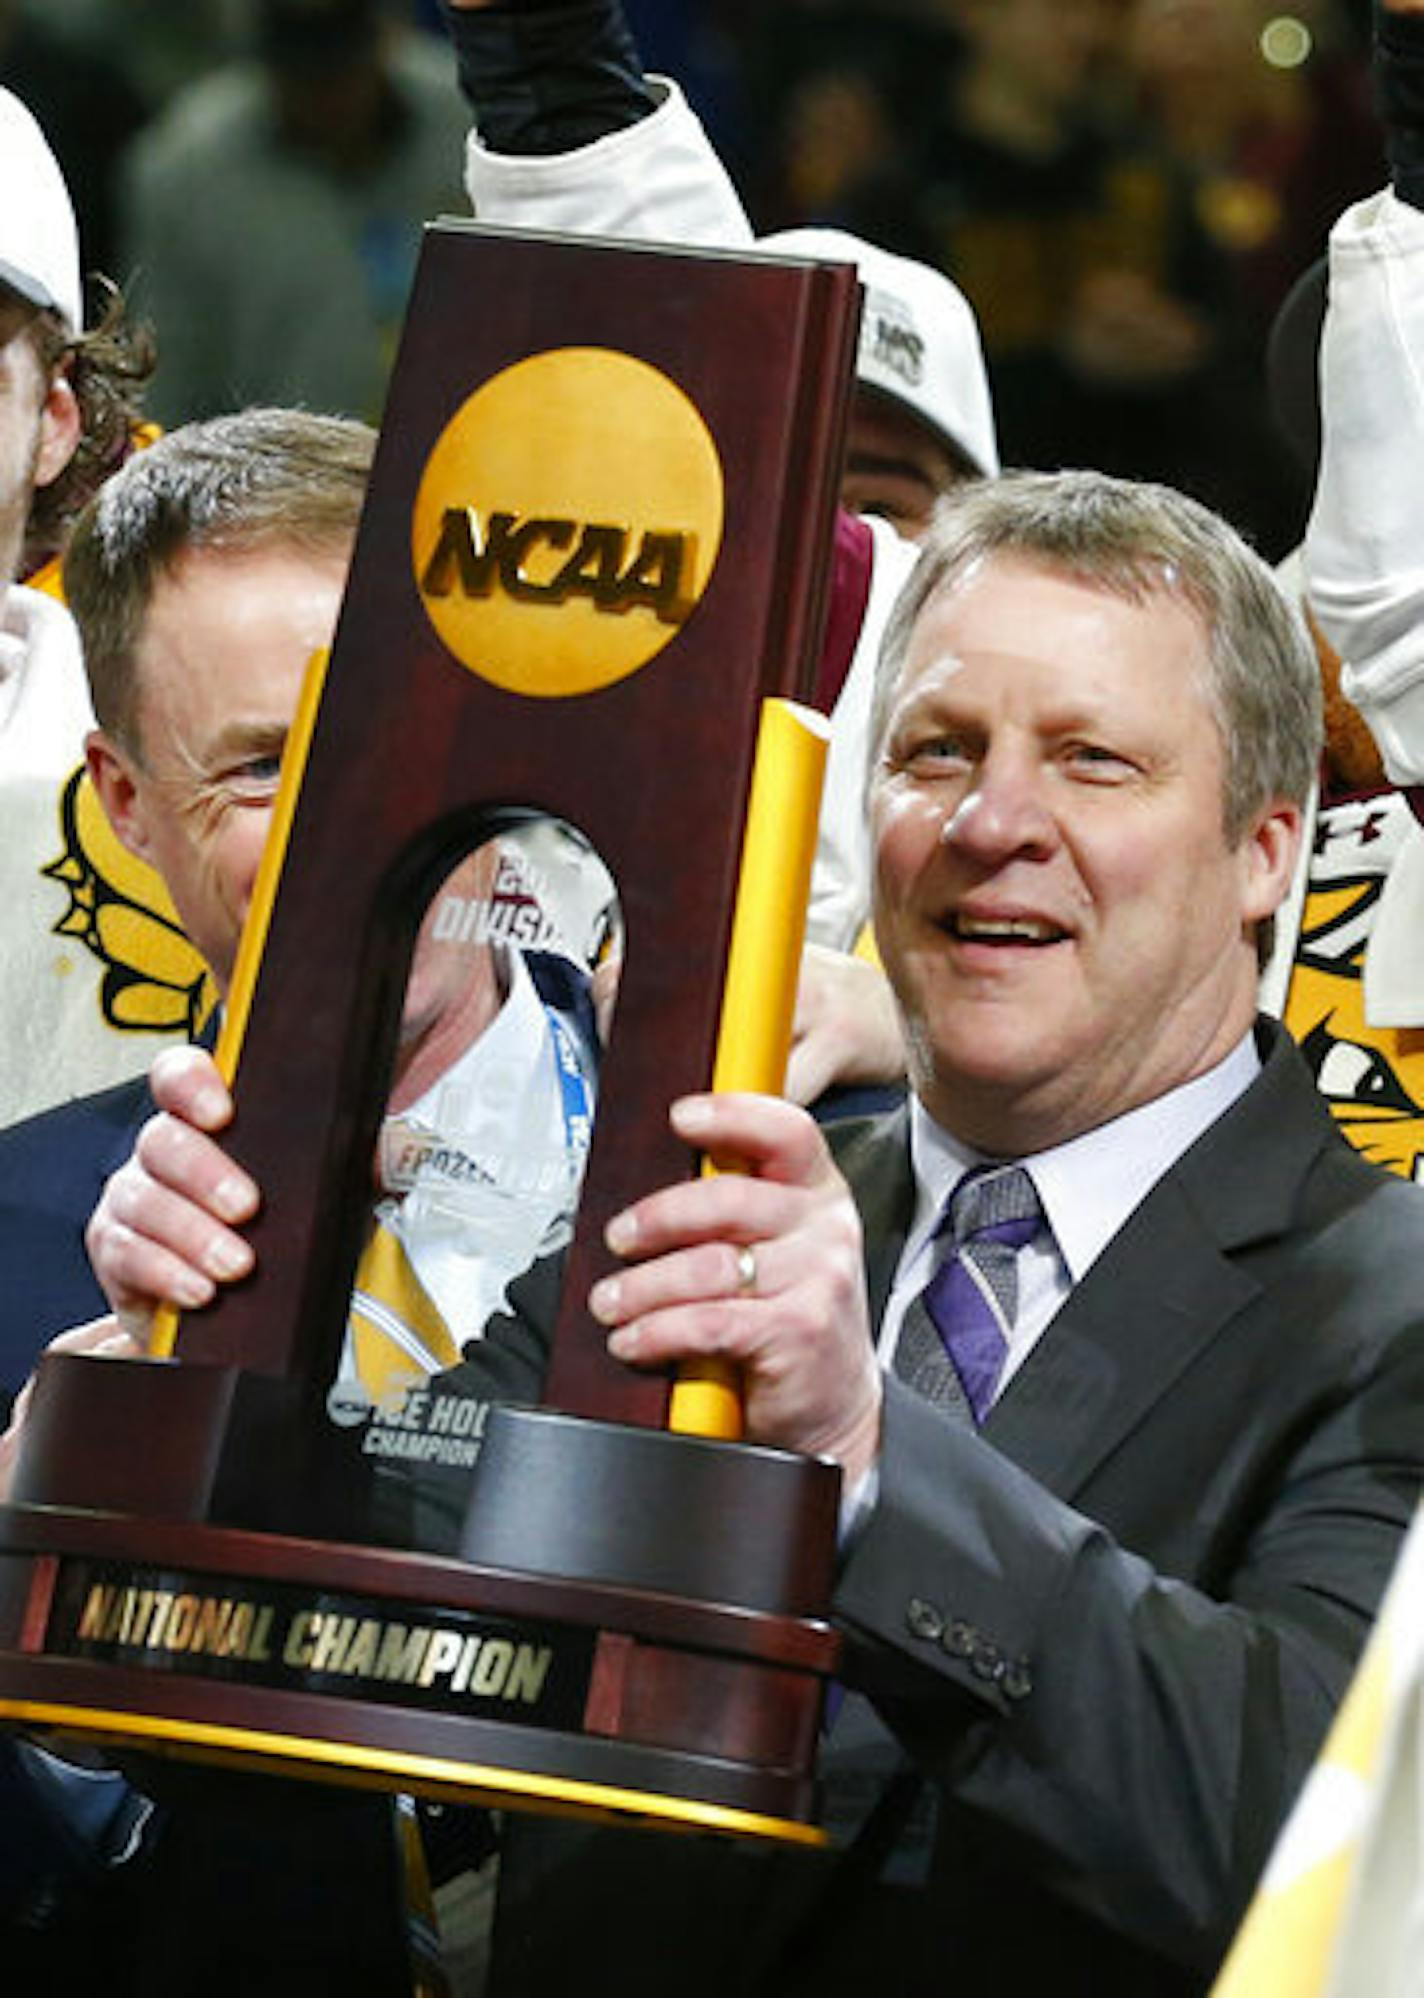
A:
[746,1272]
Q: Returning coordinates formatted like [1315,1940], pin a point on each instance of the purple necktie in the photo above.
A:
[971,1300]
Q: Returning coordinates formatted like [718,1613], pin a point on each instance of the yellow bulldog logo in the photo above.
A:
[1371,1077]
[153,981]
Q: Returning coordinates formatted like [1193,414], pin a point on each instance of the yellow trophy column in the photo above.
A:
[763,965]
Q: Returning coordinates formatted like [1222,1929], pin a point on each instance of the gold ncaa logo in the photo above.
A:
[567,522]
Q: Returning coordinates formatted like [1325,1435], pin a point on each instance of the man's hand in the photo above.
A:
[761,1268]
[101,1337]
[164,1229]
[847,1026]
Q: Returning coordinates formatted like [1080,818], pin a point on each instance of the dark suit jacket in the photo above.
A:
[1110,1629]
[52,1171]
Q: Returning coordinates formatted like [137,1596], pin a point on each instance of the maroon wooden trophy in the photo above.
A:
[597,535]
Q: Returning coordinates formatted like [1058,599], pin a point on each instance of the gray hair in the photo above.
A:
[1140,541]
[265,478]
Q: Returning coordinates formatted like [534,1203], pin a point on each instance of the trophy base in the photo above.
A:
[613,1672]
[349,1766]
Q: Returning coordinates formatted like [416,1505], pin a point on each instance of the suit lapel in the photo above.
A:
[1169,1284]
[1166,1287]
[1157,1297]
[874,1155]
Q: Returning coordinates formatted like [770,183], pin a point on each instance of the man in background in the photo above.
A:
[273,211]
[93,976]
[203,578]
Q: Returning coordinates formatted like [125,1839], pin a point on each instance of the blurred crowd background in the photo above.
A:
[1127,190]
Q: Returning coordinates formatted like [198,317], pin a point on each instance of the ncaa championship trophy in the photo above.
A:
[590,572]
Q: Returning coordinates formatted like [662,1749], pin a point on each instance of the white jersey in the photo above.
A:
[1364,557]
[80,922]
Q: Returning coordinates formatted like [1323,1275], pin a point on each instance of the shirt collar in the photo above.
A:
[1090,1185]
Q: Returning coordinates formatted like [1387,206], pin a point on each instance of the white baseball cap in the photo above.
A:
[919,339]
[39,240]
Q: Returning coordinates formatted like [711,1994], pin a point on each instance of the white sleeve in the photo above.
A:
[1364,550]
[840,881]
[657,181]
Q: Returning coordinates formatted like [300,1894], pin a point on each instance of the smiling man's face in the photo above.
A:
[1069,932]
[224,647]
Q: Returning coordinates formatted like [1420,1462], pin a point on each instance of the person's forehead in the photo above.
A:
[231,582]
[227,622]
[1012,585]
[1007,610]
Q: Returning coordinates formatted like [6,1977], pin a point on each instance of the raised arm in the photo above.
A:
[1364,557]
[570,135]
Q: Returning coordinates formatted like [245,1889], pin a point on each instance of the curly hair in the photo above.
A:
[108,370]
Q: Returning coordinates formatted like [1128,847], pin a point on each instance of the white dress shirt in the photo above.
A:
[1088,1188]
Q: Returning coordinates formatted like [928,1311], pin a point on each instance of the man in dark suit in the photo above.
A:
[52,1171]
[1106,1575]
[203,579]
